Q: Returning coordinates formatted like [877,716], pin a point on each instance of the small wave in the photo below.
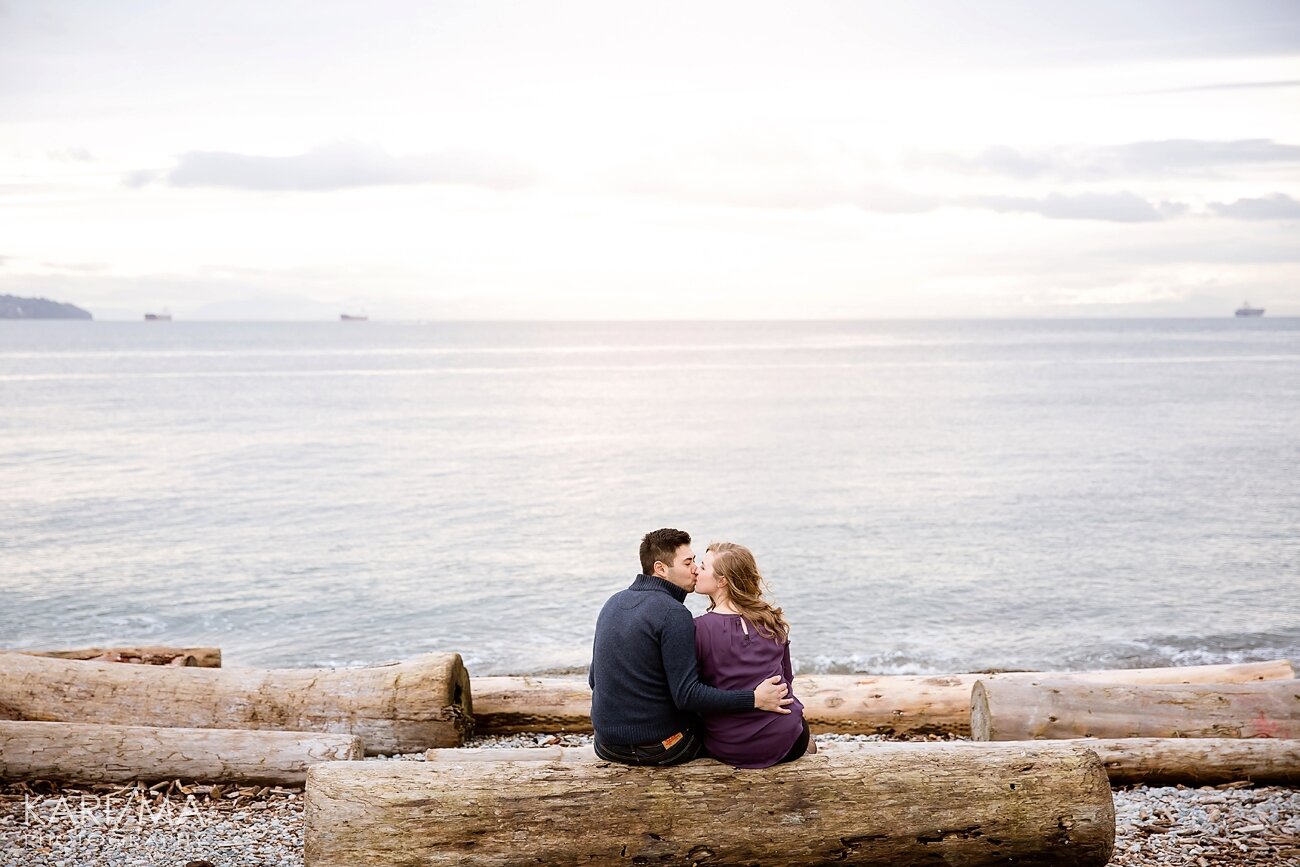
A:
[896,662]
[1157,652]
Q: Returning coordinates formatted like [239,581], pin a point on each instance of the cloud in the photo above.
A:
[1137,159]
[1275,207]
[338,166]
[1110,207]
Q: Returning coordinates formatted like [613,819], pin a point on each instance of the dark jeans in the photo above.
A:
[800,745]
[687,747]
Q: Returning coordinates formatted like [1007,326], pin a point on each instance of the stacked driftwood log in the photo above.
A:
[72,715]
[1032,783]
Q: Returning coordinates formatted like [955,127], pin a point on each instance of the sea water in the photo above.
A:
[921,496]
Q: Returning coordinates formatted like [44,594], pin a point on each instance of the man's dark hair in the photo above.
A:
[661,545]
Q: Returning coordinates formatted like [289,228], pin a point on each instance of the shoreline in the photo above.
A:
[197,825]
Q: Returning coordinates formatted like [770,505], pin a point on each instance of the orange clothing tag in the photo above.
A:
[668,743]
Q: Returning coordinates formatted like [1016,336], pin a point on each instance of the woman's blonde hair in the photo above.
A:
[745,586]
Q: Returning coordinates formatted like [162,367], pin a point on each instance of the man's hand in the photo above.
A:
[770,695]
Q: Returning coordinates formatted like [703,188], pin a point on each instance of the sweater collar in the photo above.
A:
[654,582]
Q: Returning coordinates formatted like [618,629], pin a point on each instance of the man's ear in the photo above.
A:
[661,569]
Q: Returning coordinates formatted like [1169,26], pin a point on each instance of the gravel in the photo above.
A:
[178,825]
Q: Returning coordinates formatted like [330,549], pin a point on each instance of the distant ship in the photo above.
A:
[353,317]
[165,316]
[1246,310]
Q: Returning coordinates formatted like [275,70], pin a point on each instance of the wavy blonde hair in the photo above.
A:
[745,586]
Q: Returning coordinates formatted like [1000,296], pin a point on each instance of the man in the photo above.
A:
[645,685]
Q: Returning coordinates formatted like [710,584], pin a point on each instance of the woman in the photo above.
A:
[741,640]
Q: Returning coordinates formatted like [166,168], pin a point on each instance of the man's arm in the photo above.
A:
[677,646]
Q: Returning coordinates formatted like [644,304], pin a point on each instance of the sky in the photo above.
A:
[669,160]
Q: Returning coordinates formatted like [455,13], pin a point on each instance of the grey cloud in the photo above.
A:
[338,166]
[1171,156]
[1275,207]
[1110,207]
[140,178]
[1196,154]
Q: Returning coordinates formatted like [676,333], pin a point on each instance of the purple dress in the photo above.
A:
[731,659]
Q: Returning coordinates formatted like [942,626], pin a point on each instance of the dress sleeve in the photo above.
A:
[786,668]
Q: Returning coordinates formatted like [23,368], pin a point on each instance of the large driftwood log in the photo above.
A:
[914,806]
[1128,761]
[1017,710]
[531,704]
[404,707]
[95,753]
[201,657]
[894,705]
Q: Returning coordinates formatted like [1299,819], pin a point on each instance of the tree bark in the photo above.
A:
[1128,761]
[913,806]
[1149,761]
[1017,710]
[511,754]
[394,708]
[95,753]
[892,705]
[202,657]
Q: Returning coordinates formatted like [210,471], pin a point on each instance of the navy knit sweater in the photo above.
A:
[644,681]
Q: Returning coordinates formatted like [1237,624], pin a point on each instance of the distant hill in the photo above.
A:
[13,307]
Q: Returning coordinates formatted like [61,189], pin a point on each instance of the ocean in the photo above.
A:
[922,497]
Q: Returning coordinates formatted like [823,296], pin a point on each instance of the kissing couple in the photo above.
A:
[668,688]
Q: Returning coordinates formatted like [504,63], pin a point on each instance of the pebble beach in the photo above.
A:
[182,824]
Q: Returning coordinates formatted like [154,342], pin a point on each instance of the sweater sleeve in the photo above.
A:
[677,645]
[786,668]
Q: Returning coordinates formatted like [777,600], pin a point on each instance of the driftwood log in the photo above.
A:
[95,753]
[1018,710]
[1128,761]
[914,806]
[404,707]
[201,657]
[893,705]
